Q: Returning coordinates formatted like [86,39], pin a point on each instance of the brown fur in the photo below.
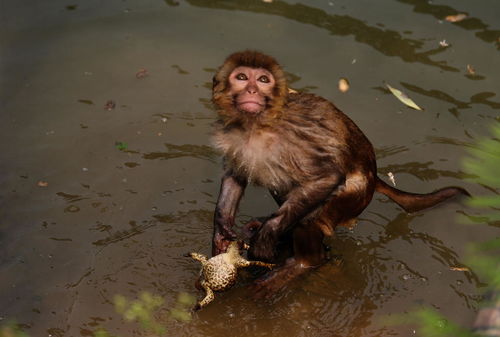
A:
[316,162]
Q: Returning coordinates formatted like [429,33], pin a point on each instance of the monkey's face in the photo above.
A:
[251,88]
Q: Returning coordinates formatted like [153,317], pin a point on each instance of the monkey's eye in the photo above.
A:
[241,77]
[264,79]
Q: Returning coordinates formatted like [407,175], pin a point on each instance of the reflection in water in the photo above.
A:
[292,78]
[387,42]
[186,150]
[447,141]
[476,219]
[348,296]
[198,215]
[172,3]
[439,95]
[441,11]
[421,170]
[71,197]
[390,150]
[180,70]
[125,234]
[370,277]
[398,228]
[480,98]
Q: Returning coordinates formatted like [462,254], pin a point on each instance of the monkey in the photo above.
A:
[317,164]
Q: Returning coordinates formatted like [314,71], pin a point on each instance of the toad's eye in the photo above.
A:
[241,77]
[264,79]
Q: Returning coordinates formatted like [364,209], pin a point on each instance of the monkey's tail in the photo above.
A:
[413,202]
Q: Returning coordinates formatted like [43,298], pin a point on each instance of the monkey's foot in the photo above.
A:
[279,278]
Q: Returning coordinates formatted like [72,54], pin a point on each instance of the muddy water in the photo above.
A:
[126,191]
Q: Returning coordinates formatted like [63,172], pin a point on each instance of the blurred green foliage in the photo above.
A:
[430,324]
[12,330]
[145,310]
[141,310]
[484,165]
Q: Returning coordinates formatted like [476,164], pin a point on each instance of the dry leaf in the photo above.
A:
[268,1]
[110,105]
[455,18]
[403,97]
[471,70]
[459,268]
[142,73]
[42,184]
[343,84]
[391,178]
[292,91]
[443,43]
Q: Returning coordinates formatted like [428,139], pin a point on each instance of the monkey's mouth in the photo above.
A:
[250,106]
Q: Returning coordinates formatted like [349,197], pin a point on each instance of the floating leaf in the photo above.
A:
[121,146]
[42,184]
[471,70]
[443,43]
[142,73]
[455,18]
[343,85]
[391,178]
[86,101]
[110,105]
[403,97]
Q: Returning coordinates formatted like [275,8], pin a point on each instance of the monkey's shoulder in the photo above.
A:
[312,106]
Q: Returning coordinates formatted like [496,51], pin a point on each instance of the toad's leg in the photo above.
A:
[198,257]
[209,297]
[244,263]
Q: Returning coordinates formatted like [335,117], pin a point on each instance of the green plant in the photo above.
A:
[145,309]
[12,330]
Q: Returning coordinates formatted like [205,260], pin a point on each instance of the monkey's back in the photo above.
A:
[336,140]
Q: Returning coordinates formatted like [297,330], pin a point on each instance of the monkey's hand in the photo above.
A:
[223,235]
[263,243]
[252,227]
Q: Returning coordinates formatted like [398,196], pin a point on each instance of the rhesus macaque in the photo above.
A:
[318,165]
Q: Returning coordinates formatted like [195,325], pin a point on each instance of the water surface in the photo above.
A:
[126,191]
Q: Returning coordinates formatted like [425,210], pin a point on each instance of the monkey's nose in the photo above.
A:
[251,89]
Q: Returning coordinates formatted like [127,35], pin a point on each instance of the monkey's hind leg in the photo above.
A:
[209,297]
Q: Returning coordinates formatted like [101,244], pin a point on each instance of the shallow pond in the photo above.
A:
[100,200]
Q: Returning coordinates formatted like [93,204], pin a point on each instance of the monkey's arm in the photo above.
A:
[230,195]
[299,202]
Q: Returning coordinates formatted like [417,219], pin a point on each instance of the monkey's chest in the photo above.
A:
[259,158]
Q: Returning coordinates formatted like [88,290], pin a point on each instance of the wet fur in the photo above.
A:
[318,165]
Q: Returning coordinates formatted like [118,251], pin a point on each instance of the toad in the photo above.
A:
[221,271]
